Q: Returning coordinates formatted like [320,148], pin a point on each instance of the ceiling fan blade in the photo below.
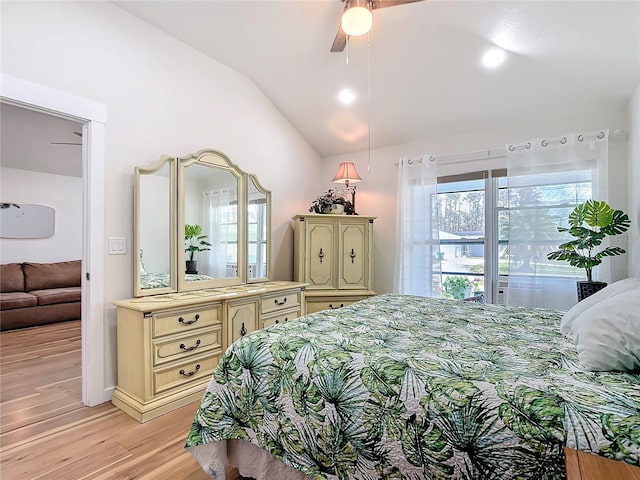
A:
[390,3]
[340,41]
[341,38]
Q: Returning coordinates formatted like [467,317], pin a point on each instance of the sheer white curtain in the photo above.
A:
[215,224]
[417,269]
[546,179]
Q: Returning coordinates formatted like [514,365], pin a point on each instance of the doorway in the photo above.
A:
[92,115]
[41,165]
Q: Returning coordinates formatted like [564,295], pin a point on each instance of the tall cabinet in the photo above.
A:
[333,255]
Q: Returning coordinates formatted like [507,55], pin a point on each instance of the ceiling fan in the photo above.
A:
[68,143]
[351,6]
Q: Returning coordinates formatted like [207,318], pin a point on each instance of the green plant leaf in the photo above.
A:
[597,214]
[619,223]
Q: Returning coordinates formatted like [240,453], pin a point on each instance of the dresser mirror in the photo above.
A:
[258,228]
[200,222]
[155,229]
[210,197]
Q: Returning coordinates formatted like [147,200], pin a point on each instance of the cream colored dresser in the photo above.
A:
[333,255]
[169,345]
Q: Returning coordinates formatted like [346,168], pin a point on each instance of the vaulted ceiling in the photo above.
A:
[419,71]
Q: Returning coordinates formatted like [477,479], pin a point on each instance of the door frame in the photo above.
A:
[93,116]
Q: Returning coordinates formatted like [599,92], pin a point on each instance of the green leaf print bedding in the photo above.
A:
[406,387]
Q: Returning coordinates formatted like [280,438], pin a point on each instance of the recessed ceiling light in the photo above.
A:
[347,96]
[493,58]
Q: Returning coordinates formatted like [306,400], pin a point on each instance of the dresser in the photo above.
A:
[333,255]
[169,345]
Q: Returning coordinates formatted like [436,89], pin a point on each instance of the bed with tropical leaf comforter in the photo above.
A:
[404,387]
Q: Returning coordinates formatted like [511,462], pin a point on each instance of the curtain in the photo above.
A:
[219,214]
[546,179]
[417,268]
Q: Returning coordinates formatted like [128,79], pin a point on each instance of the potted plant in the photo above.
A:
[332,201]
[457,287]
[194,242]
[590,223]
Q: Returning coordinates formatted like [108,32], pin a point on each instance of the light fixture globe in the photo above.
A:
[357,21]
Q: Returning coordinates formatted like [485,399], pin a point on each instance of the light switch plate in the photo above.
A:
[117,246]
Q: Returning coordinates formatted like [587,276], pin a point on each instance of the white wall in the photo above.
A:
[64,195]
[162,97]
[376,194]
[634,183]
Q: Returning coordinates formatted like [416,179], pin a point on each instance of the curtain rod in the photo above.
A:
[488,154]
[544,142]
[501,152]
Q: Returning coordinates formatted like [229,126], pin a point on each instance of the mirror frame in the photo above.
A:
[267,194]
[138,172]
[213,159]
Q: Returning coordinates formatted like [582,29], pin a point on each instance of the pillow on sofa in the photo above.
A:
[41,276]
[607,292]
[11,278]
[607,335]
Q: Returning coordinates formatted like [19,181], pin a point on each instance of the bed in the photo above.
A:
[406,387]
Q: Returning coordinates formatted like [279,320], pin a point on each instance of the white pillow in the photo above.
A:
[609,291]
[607,335]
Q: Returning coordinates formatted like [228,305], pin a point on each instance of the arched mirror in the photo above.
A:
[155,232]
[200,222]
[211,215]
[258,228]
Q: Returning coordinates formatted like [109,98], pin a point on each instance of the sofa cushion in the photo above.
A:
[13,300]
[41,276]
[57,295]
[11,278]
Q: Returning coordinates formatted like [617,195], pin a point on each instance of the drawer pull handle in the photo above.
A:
[189,322]
[286,319]
[321,255]
[280,303]
[190,374]
[352,255]
[334,308]
[188,349]
[243,330]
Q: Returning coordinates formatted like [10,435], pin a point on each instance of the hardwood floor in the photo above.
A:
[46,432]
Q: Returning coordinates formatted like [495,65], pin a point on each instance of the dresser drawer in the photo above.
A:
[174,348]
[281,317]
[185,320]
[281,301]
[184,372]
[324,303]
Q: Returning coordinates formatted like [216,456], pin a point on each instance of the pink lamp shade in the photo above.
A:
[347,174]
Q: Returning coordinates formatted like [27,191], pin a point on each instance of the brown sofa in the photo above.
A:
[39,293]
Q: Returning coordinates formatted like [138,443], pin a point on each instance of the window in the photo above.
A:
[481,245]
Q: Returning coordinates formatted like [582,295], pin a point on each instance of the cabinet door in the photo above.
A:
[320,255]
[354,255]
[242,318]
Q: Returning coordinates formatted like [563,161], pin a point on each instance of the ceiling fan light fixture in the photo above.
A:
[357,21]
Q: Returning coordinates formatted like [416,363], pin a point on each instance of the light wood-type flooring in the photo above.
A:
[46,432]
